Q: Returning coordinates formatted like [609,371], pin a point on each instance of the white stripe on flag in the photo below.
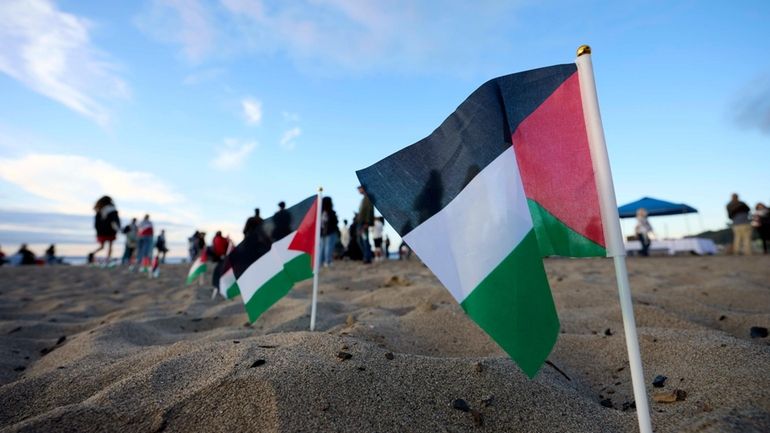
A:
[266,267]
[472,234]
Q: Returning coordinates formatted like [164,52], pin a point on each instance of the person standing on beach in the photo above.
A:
[160,245]
[281,222]
[345,237]
[364,220]
[643,231]
[130,231]
[377,228]
[761,223]
[252,223]
[50,255]
[329,231]
[144,244]
[107,224]
[218,248]
[738,212]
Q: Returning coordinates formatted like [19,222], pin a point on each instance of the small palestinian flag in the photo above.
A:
[224,279]
[155,272]
[198,267]
[505,180]
[276,255]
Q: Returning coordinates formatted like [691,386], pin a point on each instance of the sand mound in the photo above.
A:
[87,349]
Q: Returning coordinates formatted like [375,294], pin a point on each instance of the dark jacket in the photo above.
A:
[365,212]
[330,224]
[106,221]
[738,212]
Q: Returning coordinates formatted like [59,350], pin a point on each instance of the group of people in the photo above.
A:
[744,223]
[140,237]
[220,246]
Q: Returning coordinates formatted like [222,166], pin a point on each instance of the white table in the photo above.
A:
[700,246]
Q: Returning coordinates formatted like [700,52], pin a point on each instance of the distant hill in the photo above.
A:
[720,237]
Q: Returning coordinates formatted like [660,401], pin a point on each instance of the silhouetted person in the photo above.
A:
[107,225]
[27,256]
[50,255]
[761,222]
[132,232]
[738,212]
[160,245]
[281,222]
[2,257]
[252,223]
[329,231]
[364,220]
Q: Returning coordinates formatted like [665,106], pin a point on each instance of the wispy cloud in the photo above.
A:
[50,52]
[252,111]
[232,154]
[203,76]
[71,183]
[184,22]
[752,110]
[288,139]
[348,34]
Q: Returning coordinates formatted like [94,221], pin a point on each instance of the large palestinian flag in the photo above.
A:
[279,253]
[504,181]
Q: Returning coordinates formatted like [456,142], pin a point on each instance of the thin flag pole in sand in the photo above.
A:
[316,257]
[611,223]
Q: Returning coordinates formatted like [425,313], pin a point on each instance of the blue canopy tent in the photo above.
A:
[654,207]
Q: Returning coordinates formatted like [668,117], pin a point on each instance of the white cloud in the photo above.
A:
[252,110]
[287,140]
[184,22]
[50,52]
[232,155]
[72,183]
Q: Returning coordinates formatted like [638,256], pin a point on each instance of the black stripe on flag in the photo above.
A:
[258,243]
[416,182]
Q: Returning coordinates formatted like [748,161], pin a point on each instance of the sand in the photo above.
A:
[88,349]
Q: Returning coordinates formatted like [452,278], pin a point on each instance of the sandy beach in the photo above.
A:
[89,349]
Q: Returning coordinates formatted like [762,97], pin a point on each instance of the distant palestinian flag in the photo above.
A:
[155,272]
[224,279]
[276,255]
[506,180]
[198,267]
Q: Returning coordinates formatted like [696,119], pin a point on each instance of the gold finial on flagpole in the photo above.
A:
[583,49]
[320,189]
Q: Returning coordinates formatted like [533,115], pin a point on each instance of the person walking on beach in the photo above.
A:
[738,212]
[160,245]
[252,223]
[643,231]
[144,244]
[131,232]
[761,223]
[329,231]
[281,222]
[107,224]
[364,220]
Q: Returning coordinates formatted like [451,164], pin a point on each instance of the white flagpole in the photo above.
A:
[612,233]
[316,257]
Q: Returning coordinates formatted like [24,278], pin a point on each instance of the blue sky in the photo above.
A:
[198,111]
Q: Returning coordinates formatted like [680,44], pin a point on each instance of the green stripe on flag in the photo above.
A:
[232,291]
[198,271]
[296,269]
[556,239]
[513,304]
